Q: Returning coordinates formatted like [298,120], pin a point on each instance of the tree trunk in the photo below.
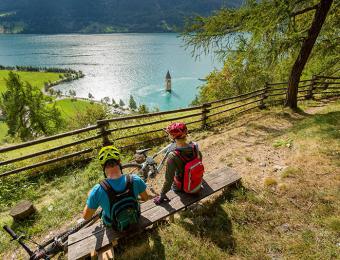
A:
[305,51]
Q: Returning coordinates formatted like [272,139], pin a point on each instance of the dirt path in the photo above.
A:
[250,144]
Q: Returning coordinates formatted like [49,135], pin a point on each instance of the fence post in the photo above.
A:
[311,88]
[264,96]
[205,111]
[103,126]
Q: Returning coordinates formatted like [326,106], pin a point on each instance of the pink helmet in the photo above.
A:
[177,130]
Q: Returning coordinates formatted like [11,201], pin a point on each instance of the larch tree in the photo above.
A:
[28,113]
[259,43]
[132,103]
[321,12]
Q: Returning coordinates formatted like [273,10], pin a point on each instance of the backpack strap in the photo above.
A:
[194,150]
[129,185]
[110,192]
[178,153]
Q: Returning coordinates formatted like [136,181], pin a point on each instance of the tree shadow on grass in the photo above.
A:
[302,121]
[212,222]
[145,245]
[328,124]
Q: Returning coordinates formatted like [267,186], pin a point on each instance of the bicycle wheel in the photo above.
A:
[135,168]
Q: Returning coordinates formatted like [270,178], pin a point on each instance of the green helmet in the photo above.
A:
[108,153]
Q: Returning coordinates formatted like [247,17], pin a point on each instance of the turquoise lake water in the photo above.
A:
[116,65]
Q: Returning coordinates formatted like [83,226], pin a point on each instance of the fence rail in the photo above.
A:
[137,130]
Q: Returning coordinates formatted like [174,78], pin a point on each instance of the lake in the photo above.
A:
[116,65]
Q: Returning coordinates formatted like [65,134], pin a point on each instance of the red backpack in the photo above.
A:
[192,177]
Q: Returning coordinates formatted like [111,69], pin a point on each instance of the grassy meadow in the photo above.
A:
[34,78]
[292,213]
[69,108]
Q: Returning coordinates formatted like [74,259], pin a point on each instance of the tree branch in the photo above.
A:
[304,10]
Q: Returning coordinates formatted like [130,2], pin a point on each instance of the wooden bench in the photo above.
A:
[98,238]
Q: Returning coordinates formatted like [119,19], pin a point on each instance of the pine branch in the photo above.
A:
[304,10]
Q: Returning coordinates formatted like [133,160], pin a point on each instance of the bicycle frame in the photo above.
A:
[168,150]
[149,167]
[53,246]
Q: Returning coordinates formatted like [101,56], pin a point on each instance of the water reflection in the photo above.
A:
[115,65]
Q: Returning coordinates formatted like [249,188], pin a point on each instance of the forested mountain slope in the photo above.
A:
[100,16]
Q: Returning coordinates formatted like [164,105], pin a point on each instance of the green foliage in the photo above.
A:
[89,116]
[26,111]
[132,103]
[121,103]
[106,100]
[72,93]
[259,43]
[143,109]
[283,143]
[90,96]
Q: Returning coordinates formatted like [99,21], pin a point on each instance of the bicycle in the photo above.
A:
[146,166]
[53,246]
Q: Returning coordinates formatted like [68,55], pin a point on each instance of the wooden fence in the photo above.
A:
[138,130]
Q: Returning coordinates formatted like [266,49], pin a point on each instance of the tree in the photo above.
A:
[132,103]
[59,93]
[121,103]
[73,94]
[143,109]
[91,97]
[319,18]
[113,101]
[89,116]
[106,100]
[259,43]
[26,111]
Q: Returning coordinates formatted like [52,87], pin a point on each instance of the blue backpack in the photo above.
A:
[124,207]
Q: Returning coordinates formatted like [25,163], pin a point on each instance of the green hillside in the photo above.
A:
[102,16]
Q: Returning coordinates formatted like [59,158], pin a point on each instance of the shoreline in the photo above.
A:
[68,75]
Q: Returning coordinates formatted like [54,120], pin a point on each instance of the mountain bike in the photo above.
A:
[146,166]
[53,246]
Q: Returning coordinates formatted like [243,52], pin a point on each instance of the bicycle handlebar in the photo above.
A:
[19,239]
[11,232]
[52,246]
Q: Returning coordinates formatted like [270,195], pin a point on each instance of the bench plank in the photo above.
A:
[82,243]
[83,233]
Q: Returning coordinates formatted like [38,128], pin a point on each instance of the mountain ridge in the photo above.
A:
[102,16]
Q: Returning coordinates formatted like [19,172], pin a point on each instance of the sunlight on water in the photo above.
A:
[115,65]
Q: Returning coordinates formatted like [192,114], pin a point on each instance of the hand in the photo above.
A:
[160,199]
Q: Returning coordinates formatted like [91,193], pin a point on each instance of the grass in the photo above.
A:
[283,143]
[34,78]
[70,108]
[269,181]
[290,172]
[3,131]
[296,219]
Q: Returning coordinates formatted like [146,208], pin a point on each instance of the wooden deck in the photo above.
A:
[96,237]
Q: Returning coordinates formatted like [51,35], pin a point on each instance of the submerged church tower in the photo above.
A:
[168,82]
